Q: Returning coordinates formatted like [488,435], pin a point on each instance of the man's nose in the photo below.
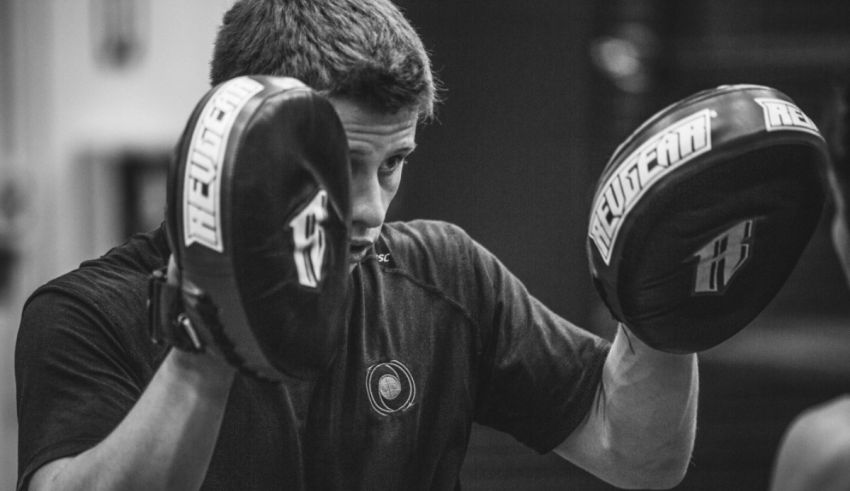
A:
[367,208]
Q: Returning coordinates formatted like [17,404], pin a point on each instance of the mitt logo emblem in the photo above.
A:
[722,257]
[308,236]
[390,387]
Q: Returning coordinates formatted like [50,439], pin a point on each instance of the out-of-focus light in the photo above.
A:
[626,57]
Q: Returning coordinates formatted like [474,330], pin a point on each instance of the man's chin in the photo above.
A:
[354,260]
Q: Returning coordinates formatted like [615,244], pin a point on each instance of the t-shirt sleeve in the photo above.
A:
[538,373]
[76,378]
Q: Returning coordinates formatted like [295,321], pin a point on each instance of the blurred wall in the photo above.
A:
[83,82]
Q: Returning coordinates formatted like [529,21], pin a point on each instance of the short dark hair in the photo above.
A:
[361,49]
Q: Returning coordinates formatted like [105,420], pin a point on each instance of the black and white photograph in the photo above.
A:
[367,245]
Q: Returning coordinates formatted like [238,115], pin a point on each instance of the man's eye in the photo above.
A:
[392,164]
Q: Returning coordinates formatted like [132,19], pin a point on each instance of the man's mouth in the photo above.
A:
[357,250]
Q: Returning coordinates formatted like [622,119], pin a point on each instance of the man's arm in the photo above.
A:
[165,441]
[640,431]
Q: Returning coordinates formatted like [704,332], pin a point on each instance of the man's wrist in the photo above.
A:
[629,343]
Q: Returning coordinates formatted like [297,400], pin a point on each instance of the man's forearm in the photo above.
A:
[651,403]
[640,432]
[166,440]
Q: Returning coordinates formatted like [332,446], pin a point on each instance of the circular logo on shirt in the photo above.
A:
[390,387]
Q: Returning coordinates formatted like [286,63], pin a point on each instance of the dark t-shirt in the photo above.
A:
[440,335]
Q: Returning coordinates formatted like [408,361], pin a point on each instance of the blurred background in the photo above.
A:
[94,94]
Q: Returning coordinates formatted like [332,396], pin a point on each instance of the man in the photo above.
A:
[815,450]
[102,408]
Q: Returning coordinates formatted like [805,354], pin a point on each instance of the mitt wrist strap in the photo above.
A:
[169,323]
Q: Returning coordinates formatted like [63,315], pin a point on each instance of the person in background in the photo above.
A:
[814,453]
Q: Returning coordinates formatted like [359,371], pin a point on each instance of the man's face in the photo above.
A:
[378,145]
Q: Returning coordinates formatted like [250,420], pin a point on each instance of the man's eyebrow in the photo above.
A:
[406,149]
[402,149]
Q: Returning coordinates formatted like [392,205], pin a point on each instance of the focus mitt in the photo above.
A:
[702,213]
[257,219]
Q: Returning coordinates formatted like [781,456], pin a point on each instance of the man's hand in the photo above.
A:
[257,219]
[698,219]
[702,213]
[258,216]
